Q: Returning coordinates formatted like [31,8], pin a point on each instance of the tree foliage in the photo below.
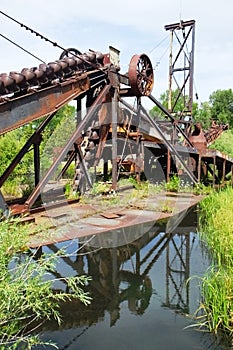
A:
[221,102]
[203,115]
[12,142]
[219,108]
[179,108]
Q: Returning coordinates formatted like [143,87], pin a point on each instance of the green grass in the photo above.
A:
[217,287]
[216,225]
[216,230]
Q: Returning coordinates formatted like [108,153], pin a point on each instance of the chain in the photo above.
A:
[54,43]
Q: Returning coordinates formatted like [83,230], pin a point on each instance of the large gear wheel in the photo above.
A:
[141,77]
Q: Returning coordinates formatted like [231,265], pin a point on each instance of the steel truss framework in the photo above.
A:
[94,79]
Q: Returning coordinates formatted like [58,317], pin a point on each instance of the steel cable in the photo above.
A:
[48,40]
[20,47]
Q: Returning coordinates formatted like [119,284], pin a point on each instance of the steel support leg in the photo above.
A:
[19,156]
[39,188]
[114,140]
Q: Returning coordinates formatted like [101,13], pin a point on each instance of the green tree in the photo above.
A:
[66,113]
[179,108]
[221,102]
[218,108]
[203,115]
[12,142]
[57,135]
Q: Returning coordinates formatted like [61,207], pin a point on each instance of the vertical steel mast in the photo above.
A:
[181,63]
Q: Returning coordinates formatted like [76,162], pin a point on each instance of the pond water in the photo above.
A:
[141,298]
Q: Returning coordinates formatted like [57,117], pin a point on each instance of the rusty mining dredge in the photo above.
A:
[109,129]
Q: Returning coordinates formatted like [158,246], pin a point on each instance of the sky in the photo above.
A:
[133,27]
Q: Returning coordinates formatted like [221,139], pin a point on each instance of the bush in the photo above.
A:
[27,297]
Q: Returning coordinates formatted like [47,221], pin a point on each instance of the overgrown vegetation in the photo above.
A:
[177,185]
[26,287]
[138,195]
[216,230]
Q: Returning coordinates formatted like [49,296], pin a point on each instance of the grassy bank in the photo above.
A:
[216,230]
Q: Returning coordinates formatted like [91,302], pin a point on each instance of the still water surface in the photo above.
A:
[141,298]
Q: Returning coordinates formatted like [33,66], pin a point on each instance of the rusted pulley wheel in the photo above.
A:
[141,77]
[70,52]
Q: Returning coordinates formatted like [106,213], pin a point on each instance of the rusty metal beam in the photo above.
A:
[36,149]
[172,119]
[24,149]
[114,140]
[179,25]
[224,170]
[188,63]
[66,166]
[83,164]
[24,109]
[168,144]
[39,188]
[170,147]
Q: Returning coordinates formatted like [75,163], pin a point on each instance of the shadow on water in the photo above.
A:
[141,298]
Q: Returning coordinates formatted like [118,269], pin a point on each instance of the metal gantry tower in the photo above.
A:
[181,64]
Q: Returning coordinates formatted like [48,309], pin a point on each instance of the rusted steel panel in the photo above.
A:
[110,215]
[198,139]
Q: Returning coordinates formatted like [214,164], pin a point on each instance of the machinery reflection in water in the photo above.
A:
[125,273]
